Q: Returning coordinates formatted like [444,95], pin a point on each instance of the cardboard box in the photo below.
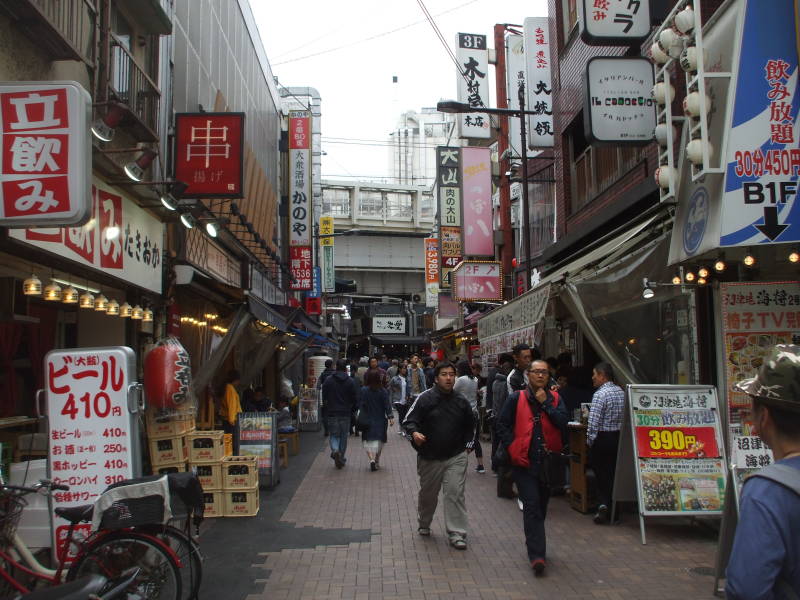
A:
[209,474]
[239,472]
[167,451]
[213,501]
[168,425]
[205,446]
[241,503]
[165,469]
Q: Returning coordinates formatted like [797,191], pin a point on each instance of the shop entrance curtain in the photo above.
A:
[645,340]
[204,373]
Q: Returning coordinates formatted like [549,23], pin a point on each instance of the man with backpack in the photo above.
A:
[530,429]
[765,559]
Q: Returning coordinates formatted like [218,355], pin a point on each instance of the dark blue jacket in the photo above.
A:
[377,407]
[340,394]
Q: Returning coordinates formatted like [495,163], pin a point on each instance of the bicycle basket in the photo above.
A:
[131,512]
[12,504]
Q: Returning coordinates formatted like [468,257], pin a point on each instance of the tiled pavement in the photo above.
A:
[584,560]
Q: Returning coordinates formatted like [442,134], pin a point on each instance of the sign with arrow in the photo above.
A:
[759,202]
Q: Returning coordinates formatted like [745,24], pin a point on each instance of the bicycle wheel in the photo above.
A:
[188,552]
[159,577]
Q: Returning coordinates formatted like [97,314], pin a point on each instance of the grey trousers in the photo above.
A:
[449,476]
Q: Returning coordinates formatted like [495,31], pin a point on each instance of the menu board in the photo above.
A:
[755,317]
[257,435]
[678,448]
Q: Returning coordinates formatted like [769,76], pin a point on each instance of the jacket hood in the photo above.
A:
[340,375]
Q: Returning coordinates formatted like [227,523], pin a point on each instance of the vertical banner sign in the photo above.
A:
[209,154]
[760,204]
[516,74]
[300,265]
[755,317]
[476,191]
[448,181]
[328,270]
[539,95]
[93,439]
[678,449]
[326,230]
[300,217]
[432,272]
[473,86]
[46,161]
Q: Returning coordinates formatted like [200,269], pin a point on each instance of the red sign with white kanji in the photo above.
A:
[209,154]
[45,160]
[300,265]
[478,280]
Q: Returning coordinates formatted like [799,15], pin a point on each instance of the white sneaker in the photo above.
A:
[519,503]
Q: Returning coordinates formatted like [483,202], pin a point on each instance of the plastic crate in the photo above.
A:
[213,502]
[239,472]
[169,425]
[130,512]
[209,474]
[205,446]
[241,503]
[169,450]
[166,469]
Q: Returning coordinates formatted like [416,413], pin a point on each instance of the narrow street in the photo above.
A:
[323,533]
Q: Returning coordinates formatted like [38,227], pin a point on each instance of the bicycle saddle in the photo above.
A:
[80,589]
[76,514]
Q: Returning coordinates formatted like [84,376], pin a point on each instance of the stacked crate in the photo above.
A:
[166,434]
[206,451]
[240,485]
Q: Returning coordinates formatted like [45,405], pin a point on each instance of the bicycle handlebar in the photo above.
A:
[45,484]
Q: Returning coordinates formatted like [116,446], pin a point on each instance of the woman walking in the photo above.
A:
[374,401]
[467,385]
[398,397]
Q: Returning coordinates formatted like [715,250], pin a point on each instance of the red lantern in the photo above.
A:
[514,262]
[167,375]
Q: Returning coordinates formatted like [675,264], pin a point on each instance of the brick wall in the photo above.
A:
[569,91]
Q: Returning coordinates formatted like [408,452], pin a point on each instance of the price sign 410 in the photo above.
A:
[669,439]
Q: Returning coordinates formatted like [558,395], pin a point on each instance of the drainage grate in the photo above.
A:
[705,571]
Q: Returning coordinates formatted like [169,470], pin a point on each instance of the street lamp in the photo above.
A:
[453,106]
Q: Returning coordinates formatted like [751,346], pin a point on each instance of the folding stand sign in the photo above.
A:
[678,451]
[258,436]
[309,410]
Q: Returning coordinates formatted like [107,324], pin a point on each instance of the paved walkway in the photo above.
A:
[584,560]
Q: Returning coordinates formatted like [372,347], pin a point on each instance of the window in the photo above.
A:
[336,202]
[398,205]
[426,208]
[597,168]
[370,203]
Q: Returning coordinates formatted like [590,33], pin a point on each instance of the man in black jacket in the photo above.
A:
[442,428]
[517,380]
[320,380]
[340,395]
[530,426]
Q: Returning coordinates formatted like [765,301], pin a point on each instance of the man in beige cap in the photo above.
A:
[765,560]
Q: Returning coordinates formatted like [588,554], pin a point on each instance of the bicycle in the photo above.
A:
[105,552]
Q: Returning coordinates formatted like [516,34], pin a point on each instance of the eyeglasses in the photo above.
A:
[539,371]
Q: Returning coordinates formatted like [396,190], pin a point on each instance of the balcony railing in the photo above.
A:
[130,84]
[64,29]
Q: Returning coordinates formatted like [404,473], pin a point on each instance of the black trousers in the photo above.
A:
[535,496]
[603,459]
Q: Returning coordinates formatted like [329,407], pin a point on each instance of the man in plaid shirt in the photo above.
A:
[602,436]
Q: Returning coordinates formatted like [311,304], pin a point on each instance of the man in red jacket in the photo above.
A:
[530,427]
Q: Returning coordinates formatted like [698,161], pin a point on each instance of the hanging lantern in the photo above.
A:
[52,292]
[125,310]
[32,286]
[101,304]
[70,295]
[86,300]
[147,316]
[113,309]
[137,313]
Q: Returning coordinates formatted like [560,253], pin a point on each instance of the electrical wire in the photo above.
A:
[370,38]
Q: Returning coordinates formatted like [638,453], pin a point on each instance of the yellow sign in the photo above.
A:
[325,229]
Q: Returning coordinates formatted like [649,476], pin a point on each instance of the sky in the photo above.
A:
[351,49]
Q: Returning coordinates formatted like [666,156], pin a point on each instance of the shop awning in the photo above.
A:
[265,312]
[385,340]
